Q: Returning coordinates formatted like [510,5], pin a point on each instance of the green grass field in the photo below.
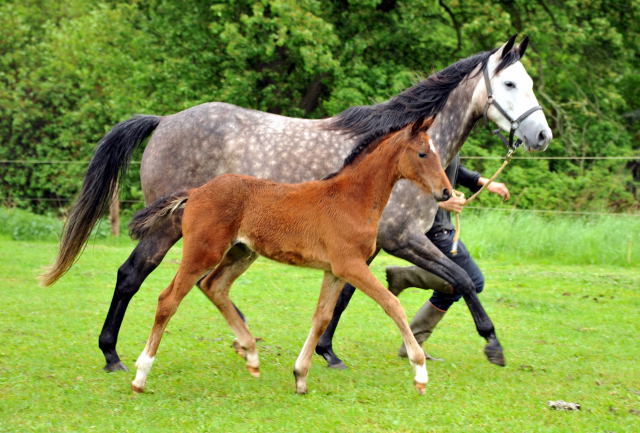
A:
[570,332]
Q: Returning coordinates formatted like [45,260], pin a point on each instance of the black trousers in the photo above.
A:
[444,241]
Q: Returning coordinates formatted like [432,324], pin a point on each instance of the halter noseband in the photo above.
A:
[514,123]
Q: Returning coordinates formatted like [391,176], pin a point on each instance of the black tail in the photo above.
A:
[146,220]
[108,164]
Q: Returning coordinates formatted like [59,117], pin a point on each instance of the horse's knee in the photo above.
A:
[478,281]
[166,308]
[128,281]
[218,297]
[106,341]
[323,320]
[132,273]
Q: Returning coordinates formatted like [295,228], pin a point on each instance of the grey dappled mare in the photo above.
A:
[190,147]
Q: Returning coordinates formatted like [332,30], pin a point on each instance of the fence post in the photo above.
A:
[114,213]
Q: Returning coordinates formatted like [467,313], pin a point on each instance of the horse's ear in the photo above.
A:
[417,126]
[508,46]
[523,46]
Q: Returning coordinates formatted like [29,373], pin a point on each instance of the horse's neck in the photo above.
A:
[454,123]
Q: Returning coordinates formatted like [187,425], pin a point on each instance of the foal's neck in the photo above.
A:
[368,181]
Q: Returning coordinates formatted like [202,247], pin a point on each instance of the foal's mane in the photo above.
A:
[422,100]
[393,138]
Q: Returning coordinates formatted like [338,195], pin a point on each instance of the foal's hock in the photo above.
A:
[329,224]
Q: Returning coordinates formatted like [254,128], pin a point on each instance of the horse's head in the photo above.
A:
[420,162]
[509,101]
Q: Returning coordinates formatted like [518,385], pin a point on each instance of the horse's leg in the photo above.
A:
[325,344]
[143,260]
[195,261]
[326,303]
[417,249]
[216,286]
[358,274]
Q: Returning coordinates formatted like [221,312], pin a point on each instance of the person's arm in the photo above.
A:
[474,181]
[468,178]
[495,187]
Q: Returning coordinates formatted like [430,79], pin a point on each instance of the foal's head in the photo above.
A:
[420,162]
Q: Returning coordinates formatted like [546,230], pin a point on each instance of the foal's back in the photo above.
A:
[291,223]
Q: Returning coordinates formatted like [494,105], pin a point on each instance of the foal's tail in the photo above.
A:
[101,181]
[146,220]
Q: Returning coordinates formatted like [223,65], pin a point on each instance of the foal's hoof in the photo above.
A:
[420,387]
[137,389]
[254,371]
[115,366]
[495,354]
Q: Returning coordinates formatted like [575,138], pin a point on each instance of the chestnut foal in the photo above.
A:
[329,224]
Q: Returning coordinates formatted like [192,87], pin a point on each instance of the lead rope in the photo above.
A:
[460,194]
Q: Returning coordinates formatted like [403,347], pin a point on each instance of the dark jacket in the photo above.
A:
[458,175]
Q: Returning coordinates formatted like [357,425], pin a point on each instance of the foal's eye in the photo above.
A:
[422,154]
[510,84]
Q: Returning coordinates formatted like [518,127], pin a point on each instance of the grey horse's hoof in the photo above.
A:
[116,366]
[332,359]
[338,365]
[495,354]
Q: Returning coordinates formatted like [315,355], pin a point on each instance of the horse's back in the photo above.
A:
[186,149]
[192,146]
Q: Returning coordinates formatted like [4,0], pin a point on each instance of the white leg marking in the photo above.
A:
[252,359]
[143,364]
[422,376]
[301,355]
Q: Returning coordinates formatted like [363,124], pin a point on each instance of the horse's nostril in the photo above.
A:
[542,137]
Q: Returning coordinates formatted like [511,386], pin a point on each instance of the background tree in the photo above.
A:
[69,73]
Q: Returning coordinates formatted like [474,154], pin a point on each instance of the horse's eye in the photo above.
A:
[422,154]
[510,84]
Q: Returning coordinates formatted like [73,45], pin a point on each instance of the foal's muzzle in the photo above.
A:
[444,195]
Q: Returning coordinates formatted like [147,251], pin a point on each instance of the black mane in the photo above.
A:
[422,100]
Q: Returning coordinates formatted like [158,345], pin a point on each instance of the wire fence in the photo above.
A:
[483,208]
[487,157]
[476,157]
[554,211]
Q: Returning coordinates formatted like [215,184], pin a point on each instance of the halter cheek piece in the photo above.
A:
[514,123]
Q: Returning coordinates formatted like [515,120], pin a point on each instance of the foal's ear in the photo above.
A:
[421,124]
[507,47]
[523,46]
[427,123]
[417,126]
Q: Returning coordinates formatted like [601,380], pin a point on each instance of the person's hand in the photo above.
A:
[454,204]
[500,189]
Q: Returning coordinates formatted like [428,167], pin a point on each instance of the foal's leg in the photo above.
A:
[195,261]
[358,274]
[325,344]
[216,286]
[143,260]
[329,293]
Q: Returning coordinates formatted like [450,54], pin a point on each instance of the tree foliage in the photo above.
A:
[69,72]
